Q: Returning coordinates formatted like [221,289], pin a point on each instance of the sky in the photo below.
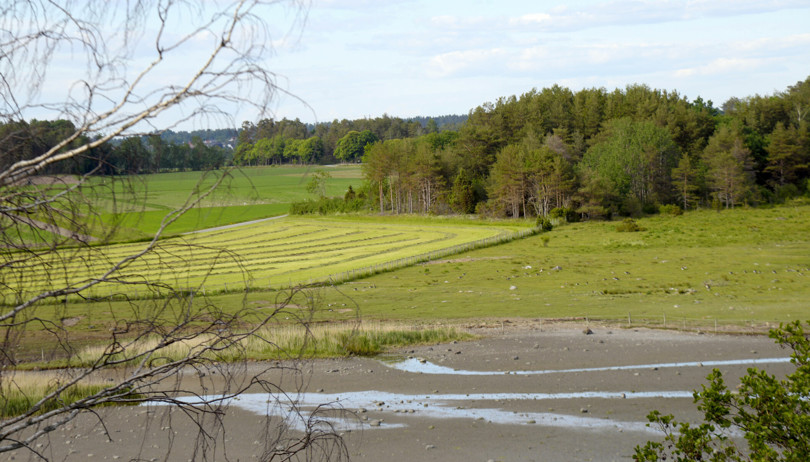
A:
[365,58]
[350,59]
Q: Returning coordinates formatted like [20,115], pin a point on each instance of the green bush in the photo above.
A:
[564,213]
[670,209]
[326,206]
[772,415]
[544,224]
[629,225]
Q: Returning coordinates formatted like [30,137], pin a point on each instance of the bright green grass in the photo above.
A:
[280,252]
[132,208]
[245,186]
[143,224]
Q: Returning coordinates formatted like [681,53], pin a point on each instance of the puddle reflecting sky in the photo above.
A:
[401,407]
[426,367]
[394,410]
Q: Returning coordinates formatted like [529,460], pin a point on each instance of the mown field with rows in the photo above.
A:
[271,254]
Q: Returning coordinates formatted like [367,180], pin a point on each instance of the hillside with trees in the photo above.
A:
[599,153]
[592,153]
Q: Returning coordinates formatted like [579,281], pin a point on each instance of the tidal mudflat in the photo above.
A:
[538,392]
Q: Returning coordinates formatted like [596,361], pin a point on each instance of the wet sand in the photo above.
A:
[547,396]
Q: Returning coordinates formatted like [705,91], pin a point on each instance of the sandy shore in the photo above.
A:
[542,392]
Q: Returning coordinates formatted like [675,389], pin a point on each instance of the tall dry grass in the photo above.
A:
[21,390]
[278,343]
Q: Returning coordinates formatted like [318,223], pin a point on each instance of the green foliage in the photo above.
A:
[772,415]
[564,213]
[317,183]
[670,209]
[352,146]
[462,195]
[629,225]
[636,157]
[544,224]
[326,206]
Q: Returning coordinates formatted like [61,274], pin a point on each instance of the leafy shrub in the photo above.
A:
[564,213]
[649,209]
[544,224]
[593,212]
[326,206]
[773,415]
[670,209]
[631,207]
[629,225]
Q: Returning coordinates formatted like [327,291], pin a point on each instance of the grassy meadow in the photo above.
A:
[136,205]
[734,269]
[738,267]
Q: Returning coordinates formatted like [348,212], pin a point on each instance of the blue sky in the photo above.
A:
[351,59]
[362,58]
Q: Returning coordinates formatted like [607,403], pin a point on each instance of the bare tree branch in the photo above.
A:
[115,66]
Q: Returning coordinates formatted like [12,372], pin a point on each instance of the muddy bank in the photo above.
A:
[548,393]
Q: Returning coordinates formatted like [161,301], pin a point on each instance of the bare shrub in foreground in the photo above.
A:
[106,70]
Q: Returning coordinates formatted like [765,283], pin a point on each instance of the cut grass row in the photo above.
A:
[275,253]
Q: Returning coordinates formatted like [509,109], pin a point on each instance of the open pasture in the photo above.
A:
[735,268]
[136,205]
[271,254]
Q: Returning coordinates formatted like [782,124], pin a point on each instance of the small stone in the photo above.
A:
[532,421]
[587,331]
[375,423]
[428,447]
[584,410]
[320,390]
[431,427]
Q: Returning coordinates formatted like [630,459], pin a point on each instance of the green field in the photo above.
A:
[136,205]
[738,267]
[734,267]
[274,253]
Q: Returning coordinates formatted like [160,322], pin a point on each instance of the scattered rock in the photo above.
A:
[557,268]
[428,447]
[587,331]
[584,410]
[375,423]
[512,287]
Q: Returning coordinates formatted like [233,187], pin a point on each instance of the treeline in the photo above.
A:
[598,153]
[134,155]
[272,142]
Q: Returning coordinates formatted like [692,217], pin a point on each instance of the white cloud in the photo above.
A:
[456,62]
[722,66]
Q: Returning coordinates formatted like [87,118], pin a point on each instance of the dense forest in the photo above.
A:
[595,153]
[584,154]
